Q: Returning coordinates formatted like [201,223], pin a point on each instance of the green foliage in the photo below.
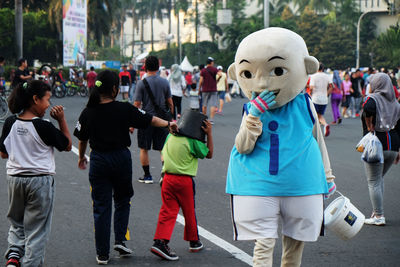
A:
[40,40]
[7,34]
[311,28]
[347,14]
[239,29]
[388,46]
[367,33]
[104,53]
[336,48]
[100,14]
[210,14]
[197,54]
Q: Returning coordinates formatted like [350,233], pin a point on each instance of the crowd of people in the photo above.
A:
[152,103]
[374,96]
[347,90]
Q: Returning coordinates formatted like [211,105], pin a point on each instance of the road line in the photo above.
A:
[231,249]
[236,252]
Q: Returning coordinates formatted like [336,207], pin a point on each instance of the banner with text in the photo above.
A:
[74,32]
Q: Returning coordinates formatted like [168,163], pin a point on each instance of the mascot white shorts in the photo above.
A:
[256,217]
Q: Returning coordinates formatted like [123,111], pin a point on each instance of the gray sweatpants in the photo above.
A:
[30,213]
[375,173]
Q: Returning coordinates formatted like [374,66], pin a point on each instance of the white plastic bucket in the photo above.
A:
[343,218]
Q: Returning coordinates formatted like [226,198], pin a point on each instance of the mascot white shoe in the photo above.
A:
[279,169]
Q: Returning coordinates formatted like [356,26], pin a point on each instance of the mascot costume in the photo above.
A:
[279,168]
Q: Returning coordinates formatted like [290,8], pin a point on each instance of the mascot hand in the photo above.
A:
[331,189]
[261,103]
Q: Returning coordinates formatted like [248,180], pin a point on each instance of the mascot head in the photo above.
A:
[275,59]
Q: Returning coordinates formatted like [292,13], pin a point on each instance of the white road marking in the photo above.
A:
[234,251]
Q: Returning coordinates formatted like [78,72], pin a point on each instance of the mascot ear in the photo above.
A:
[311,64]
[232,71]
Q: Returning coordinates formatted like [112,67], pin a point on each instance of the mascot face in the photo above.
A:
[275,59]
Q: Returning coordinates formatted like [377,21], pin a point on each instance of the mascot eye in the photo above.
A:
[246,74]
[278,71]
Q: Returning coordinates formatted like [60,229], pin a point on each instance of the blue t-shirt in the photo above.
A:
[286,160]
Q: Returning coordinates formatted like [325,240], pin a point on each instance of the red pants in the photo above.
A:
[177,191]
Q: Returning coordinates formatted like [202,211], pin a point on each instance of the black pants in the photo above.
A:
[177,105]
[110,176]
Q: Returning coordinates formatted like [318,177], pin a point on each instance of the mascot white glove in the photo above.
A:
[261,103]
[331,189]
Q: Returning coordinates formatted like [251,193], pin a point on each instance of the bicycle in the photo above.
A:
[74,87]
[58,89]
[5,91]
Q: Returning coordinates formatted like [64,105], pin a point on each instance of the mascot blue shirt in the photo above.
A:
[286,160]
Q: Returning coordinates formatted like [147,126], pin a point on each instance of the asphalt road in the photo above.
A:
[72,239]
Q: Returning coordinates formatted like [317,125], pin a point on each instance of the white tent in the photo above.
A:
[185,65]
[141,57]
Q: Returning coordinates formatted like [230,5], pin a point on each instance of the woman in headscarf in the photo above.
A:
[381,115]
[336,97]
[177,84]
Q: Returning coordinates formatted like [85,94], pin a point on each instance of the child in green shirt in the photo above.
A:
[180,155]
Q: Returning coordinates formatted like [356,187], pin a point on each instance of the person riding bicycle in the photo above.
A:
[2,79]
[72,74]
[60,79]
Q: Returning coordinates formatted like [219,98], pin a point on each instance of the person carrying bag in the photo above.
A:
[162,113]
[381,116]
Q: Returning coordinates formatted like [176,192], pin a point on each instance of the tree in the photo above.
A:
[321,5]
[100,17]
[336,47]
[55,11]
[367,33]
[389,42]
[40,40]
[286,20]
[19,27]
[311,28]
[7,23]
[133,14]
[210,18]
[155,8]
[347,14]
[239,29]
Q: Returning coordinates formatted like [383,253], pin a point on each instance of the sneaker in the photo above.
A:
[162,250]
[376,221]
[211,122]
[102,260]
[346,116]
[146,179]
[339,120]
[122,249]
[195,246]
[357,115]
[326,130]
[13,262]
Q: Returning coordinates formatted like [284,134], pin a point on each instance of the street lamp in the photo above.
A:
[266,14]
[94,54]
[358,39]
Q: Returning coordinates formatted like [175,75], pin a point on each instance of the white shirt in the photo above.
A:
[320,81]
[176,88]
[29,145]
